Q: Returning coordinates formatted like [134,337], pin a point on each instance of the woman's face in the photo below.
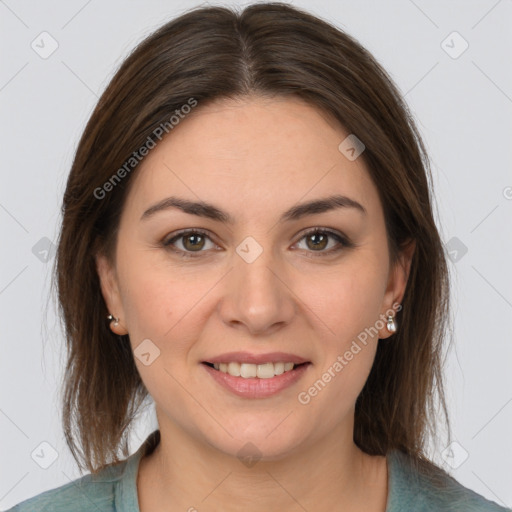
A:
[253,286]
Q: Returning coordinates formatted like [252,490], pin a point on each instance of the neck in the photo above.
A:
[183,473]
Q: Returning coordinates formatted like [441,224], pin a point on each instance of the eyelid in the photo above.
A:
[342,240]
[169,240]
[319,229]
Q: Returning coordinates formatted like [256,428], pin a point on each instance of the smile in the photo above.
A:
[248,370]
[256,380]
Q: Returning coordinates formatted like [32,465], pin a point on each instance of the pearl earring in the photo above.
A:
[116,320]
[391,325]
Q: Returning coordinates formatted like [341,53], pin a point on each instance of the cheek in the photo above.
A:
[149,304]
[347,310]
[154,295]
[347,305]
[156,310]
[346,300]
[164,303]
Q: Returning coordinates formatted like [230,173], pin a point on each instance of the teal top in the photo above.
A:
[114,489]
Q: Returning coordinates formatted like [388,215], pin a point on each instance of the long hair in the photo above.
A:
[209,53]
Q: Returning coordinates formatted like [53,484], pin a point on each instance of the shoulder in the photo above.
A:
[424,487]
[112,489]
[90,492]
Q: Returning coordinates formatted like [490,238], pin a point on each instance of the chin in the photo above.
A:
[257,441]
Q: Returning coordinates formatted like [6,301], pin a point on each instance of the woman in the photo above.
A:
[248,239]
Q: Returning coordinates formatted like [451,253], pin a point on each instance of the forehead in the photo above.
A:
[250,155]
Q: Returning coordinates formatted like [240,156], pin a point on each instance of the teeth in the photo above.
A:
[278,368]
[265,371]
[248,371]
[233,369]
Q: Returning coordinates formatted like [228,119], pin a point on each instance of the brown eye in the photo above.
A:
[317,240]
[188,242]
[193,242]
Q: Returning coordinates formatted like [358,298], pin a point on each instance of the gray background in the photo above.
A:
[463,104]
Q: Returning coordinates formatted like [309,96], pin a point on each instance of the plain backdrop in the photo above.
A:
[451,60]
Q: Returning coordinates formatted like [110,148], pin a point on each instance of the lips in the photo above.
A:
[248,370]
[263,366]
[247,357]
[256,375]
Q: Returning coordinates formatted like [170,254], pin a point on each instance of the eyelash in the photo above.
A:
[342,241]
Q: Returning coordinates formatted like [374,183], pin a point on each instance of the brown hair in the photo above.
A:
[211,53]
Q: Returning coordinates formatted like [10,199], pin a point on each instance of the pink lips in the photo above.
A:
[247,357]
[255,387]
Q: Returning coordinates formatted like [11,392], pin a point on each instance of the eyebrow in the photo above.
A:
[202,209]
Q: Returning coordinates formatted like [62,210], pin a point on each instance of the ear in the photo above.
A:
[110,291]
[397,282]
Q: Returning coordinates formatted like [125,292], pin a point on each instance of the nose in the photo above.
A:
[258,295]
